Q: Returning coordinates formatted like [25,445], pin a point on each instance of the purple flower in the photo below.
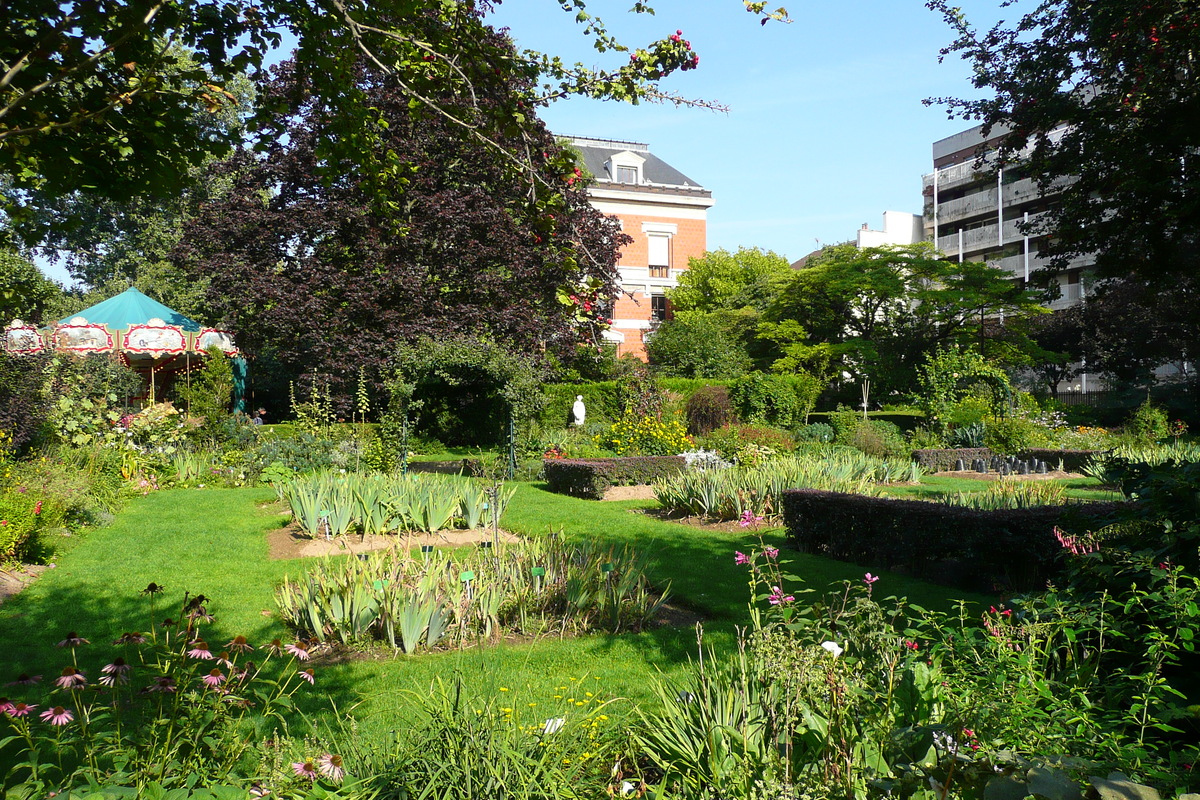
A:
[130,637]
[200,650]
[116,672]
[308,675]
[72,640]
[779,598]
[57,715]
[5,706]
[25,679]
[771,552]
[305,769]
[740,557]
[869,579]
[240,645]
[214,678]
[298,650]
[20,709]
[163,683]
[331,767]
[71,678]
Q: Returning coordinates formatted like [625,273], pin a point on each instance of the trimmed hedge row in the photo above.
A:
[1012,550]
[463,466]
[590,478]
[942,460]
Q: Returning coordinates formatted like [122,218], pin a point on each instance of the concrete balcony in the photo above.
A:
[975,204]
[1072,295]
[955,176]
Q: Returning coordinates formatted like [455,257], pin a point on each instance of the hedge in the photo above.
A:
[463,466]
[602,401]
[590,478]
[1008,550]
[904,420]
[943,460]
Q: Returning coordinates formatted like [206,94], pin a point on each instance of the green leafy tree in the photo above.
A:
[695,348]
[209,393]
[878,310]
[25,293]
[721,280]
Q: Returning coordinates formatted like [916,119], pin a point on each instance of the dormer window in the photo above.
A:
[625,167]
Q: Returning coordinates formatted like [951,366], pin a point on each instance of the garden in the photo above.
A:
[702,589]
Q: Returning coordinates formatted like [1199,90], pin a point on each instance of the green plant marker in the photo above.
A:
[379,585]
[607,566]
[466,576]
[538,572]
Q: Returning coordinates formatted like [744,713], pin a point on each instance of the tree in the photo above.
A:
[325,276]
[25,293]
[876,311]
[94,96]
[695,348]
[1102,102]
[721,280]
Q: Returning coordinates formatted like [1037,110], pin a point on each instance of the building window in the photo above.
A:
[658,307]
[627,174]
[659,255]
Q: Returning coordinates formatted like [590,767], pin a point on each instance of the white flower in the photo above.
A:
[832,647]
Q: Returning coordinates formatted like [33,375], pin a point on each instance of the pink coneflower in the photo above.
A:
[223,658]
[331,767]
[5,706]
[275,647]
[240,645]
[57,715]
[305,769]
[25,679]
[771,552]
[163,683]
[73,640]
[20,709]
[779,598]
[214,679]
[740,557]
[200,650]
[130,637]
[71,678]
[116,672]
[299,650]
[308,675]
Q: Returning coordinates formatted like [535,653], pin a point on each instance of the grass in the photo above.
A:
[934,486]
[211,541]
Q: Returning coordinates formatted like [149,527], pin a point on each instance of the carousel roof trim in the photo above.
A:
[131,307]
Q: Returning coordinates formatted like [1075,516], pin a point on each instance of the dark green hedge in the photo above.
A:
[590,478]
[942,460]
[462,466]
[603,403]
[904,420]
[1011,550]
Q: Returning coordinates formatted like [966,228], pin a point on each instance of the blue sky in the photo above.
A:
[826,129]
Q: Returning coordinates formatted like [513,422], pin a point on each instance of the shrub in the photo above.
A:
[708,408]
[777,400]
[924,438]
[735,442]
[20,522]
[695,348]
[970,435]
[591,478]
[957,546]
[24,406]
[1148,423]
[878,438]
[820,432]
[1012,434]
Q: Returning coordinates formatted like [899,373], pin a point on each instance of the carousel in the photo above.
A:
[158,343]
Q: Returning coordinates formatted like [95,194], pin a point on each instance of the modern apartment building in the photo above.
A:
[977,215]
[664,211]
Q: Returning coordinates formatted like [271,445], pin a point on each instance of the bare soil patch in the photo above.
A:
[995,476]
[640,492]
[291,542]
[14,580]
[703,523]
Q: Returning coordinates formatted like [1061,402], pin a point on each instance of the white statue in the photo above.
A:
[578,411]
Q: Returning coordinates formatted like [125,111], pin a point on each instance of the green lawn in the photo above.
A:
[211,541]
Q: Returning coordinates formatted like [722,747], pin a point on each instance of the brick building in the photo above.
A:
[664,211]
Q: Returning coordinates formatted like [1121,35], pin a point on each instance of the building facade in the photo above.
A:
[975,215]
[664,211]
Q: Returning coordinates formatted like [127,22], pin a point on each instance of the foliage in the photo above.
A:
[25,293]
[463,389]
[747,444]
[878,438]
[945,544]
[819,432]
[639,391]
[879,310]
[971,436]
[1009,493]
[1148,423]
[209,391]
[24,405]
[747,492]
[946,375]
[1013,434]
[473,250]
[720,280]
[779,400]
[434,600]
[21,522]
[708,408]
[645,436]
[168,710]
[591,478]
[694,348]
